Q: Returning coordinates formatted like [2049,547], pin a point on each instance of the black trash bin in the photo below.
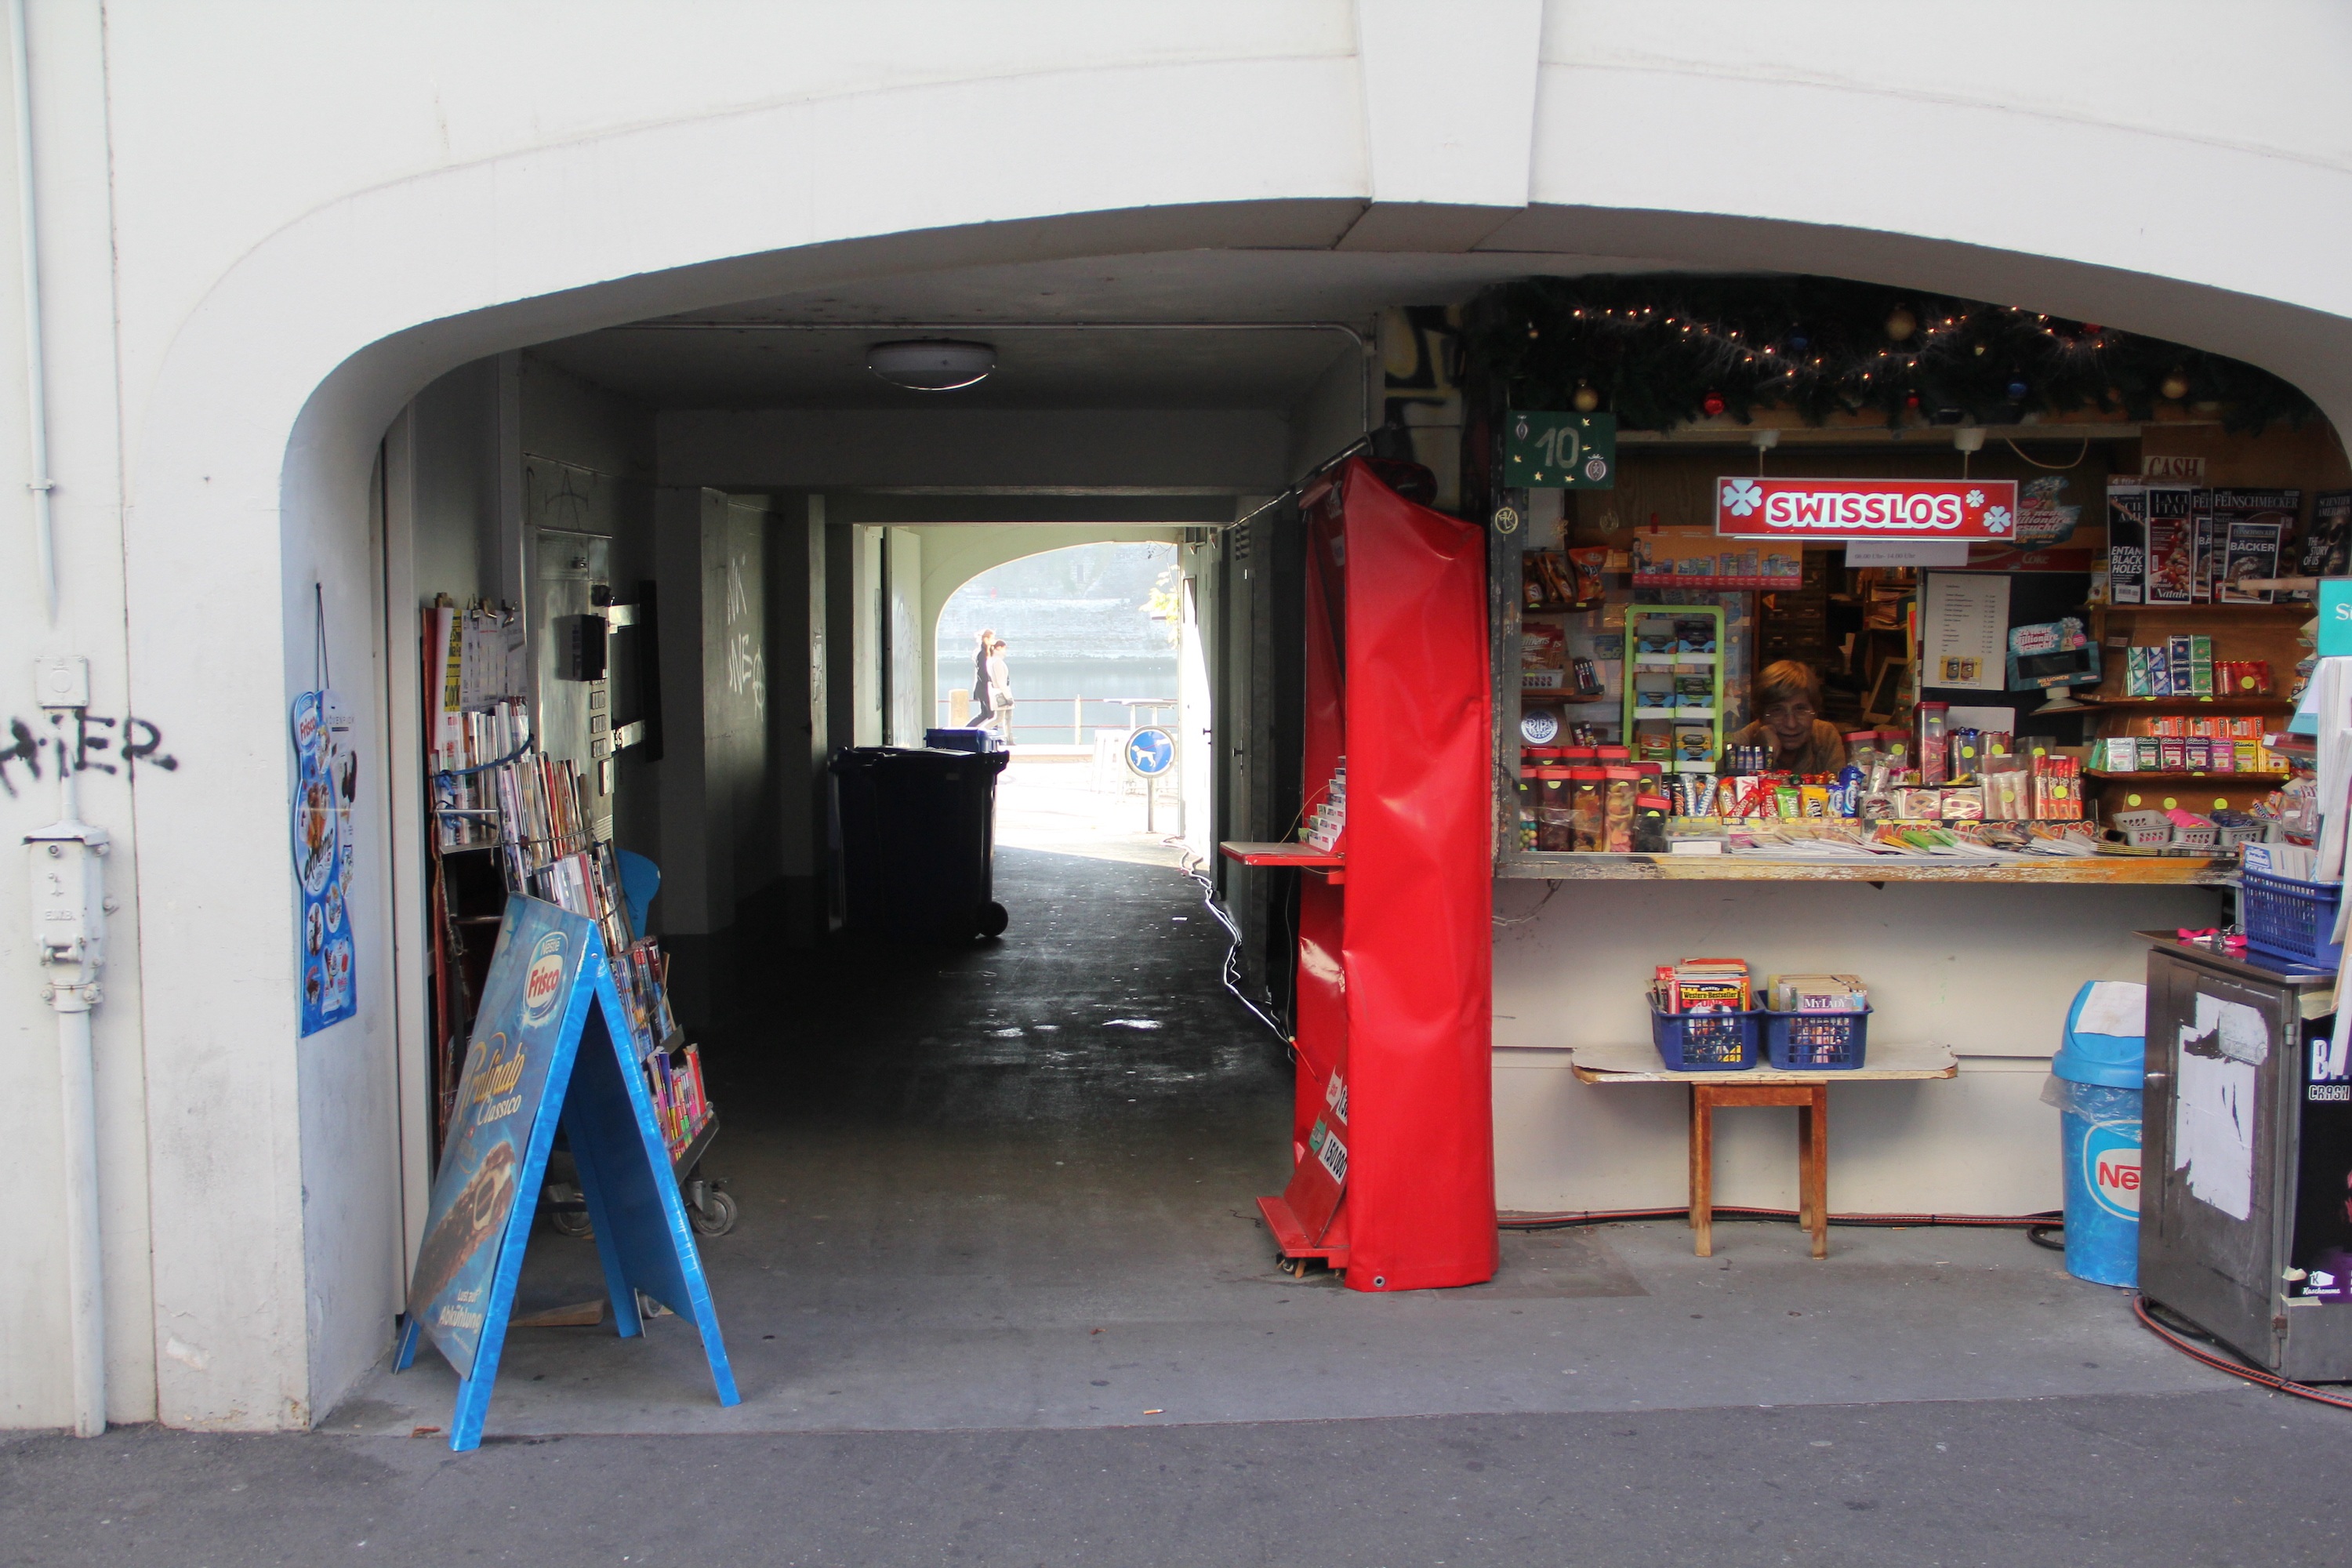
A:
[914,843]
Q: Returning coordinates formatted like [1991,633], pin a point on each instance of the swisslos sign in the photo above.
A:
[1865,508]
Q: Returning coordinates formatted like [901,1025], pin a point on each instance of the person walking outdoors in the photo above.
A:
[1000,691]
[984,712]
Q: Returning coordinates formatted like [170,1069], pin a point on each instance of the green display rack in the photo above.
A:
[1673,685]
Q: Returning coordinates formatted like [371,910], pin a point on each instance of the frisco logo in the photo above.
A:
[1865,508]
[542,987]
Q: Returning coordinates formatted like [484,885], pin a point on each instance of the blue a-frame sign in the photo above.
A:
[553,1043]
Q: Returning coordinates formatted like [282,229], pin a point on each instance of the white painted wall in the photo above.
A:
[375,203]
[1988,971]
[908,644]
[866,634]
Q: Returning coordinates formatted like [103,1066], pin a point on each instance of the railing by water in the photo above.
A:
[1065,721]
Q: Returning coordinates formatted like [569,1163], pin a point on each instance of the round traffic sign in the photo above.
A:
[1150,752]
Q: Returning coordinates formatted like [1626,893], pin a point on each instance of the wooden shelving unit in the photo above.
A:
[2264,632]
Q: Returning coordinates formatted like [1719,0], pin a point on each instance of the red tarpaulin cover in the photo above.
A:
[1395,976]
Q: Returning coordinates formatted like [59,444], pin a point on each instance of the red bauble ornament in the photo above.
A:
[1713,402]
[1911,400]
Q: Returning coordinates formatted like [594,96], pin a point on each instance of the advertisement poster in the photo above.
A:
[2041,518]
[326,784]
[500,1101]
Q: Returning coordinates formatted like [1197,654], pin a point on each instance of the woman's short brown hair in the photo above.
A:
[1785,682]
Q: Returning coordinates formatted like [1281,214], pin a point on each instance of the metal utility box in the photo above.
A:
[2247,1152]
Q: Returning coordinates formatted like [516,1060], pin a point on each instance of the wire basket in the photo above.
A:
[1704,1042]
[2290,919]
[1816,1042]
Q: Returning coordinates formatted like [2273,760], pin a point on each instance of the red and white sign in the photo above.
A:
[1865,508]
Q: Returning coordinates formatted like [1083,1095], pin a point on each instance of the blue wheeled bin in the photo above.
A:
[914,843]
[2097,1086]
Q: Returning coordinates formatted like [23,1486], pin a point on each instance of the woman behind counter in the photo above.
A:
[1788,724]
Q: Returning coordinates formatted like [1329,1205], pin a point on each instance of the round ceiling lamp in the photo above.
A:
[931,364]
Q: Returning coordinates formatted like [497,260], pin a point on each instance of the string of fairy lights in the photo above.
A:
[1700,346]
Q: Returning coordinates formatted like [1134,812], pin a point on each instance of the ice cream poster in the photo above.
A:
[326,785]
[501,1102]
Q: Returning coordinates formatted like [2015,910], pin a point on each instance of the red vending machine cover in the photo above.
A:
[1397,683]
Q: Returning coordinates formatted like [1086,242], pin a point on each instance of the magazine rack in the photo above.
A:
[1393,1135]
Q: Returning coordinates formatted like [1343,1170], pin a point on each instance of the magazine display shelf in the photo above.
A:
[1393,1135]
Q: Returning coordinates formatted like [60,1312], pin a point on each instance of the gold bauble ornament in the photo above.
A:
[1901,324]
[2176,386]
[1585,400]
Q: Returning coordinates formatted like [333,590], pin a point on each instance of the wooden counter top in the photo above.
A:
[2086,870]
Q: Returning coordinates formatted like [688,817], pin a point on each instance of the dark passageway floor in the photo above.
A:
[1010,1185]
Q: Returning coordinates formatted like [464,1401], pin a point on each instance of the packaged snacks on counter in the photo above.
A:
[2057,787]
[1650,814]
[1617,810]
[1586,816]
[1935,759]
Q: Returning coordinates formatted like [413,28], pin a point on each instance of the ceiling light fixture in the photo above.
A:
[931,364]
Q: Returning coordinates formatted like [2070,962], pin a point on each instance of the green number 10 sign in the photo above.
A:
[1560,452]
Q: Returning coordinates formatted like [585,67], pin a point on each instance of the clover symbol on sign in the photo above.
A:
[1976,498]
[1997,520]
[1741,497]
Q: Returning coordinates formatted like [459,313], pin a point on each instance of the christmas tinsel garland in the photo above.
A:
[1664,348]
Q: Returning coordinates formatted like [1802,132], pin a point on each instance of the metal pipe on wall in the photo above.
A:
[72,989]
[37,401]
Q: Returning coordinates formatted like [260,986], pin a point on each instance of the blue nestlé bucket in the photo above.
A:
[2096,1088]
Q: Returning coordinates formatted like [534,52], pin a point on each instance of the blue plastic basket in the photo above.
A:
[1704,1042]
[1816,1042]
[2290,919]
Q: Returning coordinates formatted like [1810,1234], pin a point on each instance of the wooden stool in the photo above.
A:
[1813,1103]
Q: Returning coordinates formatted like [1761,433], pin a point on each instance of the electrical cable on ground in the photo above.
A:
[1571,1219]
[2225,1361]
[1233,973]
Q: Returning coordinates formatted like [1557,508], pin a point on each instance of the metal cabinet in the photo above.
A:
[2245,1160]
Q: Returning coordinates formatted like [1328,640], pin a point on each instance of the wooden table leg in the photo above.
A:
[1813,1168]
[1702,1170]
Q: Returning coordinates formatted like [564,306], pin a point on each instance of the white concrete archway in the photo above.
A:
[251,428]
